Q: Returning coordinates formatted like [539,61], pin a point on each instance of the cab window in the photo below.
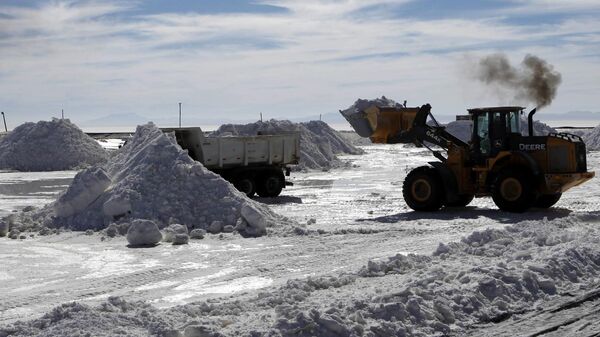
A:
[483,133]
[513,122]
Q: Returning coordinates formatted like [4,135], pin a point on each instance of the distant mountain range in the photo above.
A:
[132,119]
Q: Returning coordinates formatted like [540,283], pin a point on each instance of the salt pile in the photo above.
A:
[150,178]
[539,128]
[460,130]
[319,143]
[592,139]
[49,146]
[362,104]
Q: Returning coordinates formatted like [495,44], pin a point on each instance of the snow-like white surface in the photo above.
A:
[49,146]
[111,143]
[323,281]
[28,189]
[319,143]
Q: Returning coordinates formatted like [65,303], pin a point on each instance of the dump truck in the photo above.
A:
[253,164]
[518,172]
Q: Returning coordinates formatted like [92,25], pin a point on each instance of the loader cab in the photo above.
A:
[493,129]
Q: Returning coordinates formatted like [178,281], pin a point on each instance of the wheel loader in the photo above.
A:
[518,172]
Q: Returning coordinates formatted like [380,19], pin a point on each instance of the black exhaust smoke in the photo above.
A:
[534,81]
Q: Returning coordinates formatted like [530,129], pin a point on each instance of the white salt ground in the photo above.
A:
[151,178]
[489,276]
[319,143]
[49,146]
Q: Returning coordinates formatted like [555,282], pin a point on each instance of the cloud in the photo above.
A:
[103,57]
[545,6]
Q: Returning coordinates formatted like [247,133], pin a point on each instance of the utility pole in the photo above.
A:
[180,115]
[261,116]
[62,113]
[4,118]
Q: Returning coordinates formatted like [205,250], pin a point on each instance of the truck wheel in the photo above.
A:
[246,185]
[463,200]
[422,189]
[270,186]
[547,200]
[512,191]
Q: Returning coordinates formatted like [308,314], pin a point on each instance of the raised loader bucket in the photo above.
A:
[379,123]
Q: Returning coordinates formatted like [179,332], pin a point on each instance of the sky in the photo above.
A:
[233,59]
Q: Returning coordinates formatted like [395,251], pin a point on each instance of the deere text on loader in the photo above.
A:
[518,172]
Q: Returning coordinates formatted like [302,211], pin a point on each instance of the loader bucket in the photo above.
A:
[379,123]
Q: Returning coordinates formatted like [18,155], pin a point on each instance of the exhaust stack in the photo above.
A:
[530,120]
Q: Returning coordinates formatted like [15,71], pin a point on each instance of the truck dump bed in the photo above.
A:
[239,151]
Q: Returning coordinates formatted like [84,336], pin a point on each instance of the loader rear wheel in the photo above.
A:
[270,186]
[547,200]
[512,191]
[463,200]
[422,190]
[246,185]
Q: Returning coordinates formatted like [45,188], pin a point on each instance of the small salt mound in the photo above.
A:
[152,178]
[49,146]
[143,233]
[592,139]
[460,130]
[319,143]
[539,128]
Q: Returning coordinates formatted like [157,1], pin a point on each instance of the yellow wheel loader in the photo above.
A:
[518,172]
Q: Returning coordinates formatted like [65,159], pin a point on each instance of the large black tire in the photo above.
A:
[512,190]
[547,200]
[463,200]
[246,185]
[423,190]
[270,185]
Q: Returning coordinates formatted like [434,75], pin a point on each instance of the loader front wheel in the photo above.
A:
[547,200]
[512,191]
[422,190]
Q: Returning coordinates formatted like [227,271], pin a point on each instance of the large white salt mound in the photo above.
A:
[319,143]
[49,146]
[592,139]
[152,178]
